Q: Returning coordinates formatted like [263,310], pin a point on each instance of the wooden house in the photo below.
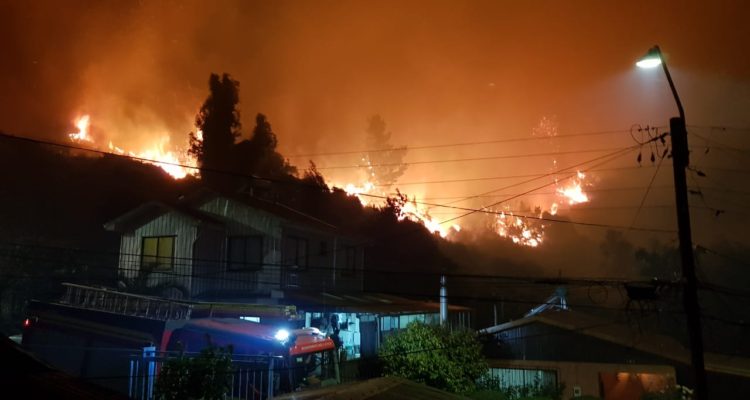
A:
[608,358]
[234,247]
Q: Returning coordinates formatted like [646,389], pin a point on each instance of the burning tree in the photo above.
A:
[384,162]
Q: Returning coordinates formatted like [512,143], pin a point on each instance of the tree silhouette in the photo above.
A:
[219,122]
[259,156]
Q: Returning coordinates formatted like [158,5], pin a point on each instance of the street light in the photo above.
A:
[653,59]
[680,161]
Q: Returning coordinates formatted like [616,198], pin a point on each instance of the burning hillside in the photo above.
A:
[176,162]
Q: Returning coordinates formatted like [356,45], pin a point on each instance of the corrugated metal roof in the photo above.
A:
[625,335]
[363,303]
[374,389]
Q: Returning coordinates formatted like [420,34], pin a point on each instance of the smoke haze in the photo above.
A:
[437,71]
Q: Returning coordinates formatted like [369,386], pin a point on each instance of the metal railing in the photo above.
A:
[253,377]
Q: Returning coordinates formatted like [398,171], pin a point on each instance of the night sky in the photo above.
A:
[439,72]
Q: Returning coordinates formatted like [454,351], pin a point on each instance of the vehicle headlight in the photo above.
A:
[282,335]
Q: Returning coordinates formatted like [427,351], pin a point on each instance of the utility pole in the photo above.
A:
[680,161]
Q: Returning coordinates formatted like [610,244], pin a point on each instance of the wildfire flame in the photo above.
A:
[530,231]
[573,193]
[519,231]
[82,123]
[178,164]
[410,210]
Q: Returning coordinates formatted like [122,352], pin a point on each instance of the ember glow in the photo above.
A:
[176,162]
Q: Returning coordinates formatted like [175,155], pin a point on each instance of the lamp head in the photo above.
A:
[652,59]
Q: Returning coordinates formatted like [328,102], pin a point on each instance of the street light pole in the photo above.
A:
[680,161]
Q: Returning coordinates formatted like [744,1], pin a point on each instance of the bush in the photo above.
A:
[207,376]
[448,360]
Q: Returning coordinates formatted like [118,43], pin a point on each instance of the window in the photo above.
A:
[245,253]
[324,248]
[523,378]
[295,252]
[157,253]
[350,260]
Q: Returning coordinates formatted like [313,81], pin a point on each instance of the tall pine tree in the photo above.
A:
[219,122]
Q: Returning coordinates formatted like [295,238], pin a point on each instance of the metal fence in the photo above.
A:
[252,378]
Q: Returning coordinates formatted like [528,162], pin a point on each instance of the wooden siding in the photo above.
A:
[244,220]
[170,224]
[324,269]
[320,274]
[200,256]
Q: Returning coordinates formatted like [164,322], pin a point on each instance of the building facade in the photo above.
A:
[219,247]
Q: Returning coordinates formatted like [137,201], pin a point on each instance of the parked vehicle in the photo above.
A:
[96,333]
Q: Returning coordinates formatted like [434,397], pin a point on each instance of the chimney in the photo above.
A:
[443,302]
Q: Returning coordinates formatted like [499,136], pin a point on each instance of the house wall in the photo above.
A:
[325,269]
[326,265]
[200,257]
[169,224]
[243,220]
[583,377]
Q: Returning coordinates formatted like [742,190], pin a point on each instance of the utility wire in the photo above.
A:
[134,259]
[455,160]
[460,144]
[502,177]
[645,194]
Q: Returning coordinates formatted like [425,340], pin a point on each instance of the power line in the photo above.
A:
[645,194]
[556,193]
[135,261]
[483,209]
[502,177]
[471,159]
[721,128]
[605,157]
[459,144]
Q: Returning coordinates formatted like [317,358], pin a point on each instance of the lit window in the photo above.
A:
[158,253]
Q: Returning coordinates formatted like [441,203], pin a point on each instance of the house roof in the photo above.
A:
[379,388]
[628,336]
[363,303]
[189,207]
[146,212]
[279,209]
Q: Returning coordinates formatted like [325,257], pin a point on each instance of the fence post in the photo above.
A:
[270,377]
[150,353]
[131,379]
